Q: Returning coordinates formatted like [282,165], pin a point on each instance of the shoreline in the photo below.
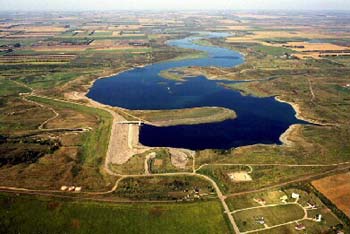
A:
[298,114]
[91,83]
[284,137]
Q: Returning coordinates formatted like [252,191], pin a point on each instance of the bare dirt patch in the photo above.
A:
[179,158]
[240,176]
[158,162]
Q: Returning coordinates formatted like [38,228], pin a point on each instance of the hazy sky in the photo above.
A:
[173,4]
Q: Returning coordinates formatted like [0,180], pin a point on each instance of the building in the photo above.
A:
[295,195]
[261,201]
[284,198]
[77,189]
[260,220]
[311,205]
[318,218]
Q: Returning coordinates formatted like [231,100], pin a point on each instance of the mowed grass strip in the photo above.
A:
[25,214]
[246,219]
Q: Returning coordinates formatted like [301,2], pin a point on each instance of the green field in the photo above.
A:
[246,220]
[10,88]
[22,214]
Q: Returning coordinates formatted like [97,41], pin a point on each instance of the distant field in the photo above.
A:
[30,215]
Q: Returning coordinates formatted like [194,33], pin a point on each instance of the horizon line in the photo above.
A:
[177,10]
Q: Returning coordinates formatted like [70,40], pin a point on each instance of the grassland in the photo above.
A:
[262,176]
[9,88]
[193,55]
[79,157]
[173,74]
[22,214]
[95,143]
[174,188]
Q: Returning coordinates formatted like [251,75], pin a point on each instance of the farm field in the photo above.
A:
[336,189]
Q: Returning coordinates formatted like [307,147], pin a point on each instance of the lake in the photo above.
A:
[259,120]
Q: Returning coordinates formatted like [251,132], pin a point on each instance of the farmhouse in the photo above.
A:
[318,218]
[295,196]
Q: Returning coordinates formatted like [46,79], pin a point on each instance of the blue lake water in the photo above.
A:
[259,120]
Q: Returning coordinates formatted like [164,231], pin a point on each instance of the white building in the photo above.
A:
[295,195]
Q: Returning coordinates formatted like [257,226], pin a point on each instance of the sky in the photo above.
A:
[66,5]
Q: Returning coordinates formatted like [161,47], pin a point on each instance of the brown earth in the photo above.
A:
[337,189]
